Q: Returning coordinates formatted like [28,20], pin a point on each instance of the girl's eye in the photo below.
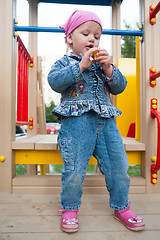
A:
[97,37]
[85,34]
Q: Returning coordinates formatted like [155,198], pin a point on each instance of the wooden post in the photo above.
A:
[7,93]
[41,109]
[116,40]
[32,94]
[40,99]
[33,12]
[150,52]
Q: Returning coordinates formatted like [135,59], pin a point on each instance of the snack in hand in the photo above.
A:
[95,54]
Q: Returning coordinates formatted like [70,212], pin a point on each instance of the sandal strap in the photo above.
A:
[122,211]
[136,219]
[70,221]
[128,214]
[64,211]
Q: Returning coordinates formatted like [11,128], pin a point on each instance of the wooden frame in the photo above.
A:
[32,94]
[7,93]
[150,52]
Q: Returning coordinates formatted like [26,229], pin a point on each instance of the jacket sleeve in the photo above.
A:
[63,75]
[117,83]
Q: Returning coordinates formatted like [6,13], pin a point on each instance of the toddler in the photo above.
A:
[88,127]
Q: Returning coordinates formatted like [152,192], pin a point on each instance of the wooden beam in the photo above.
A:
[7,93]
[52,184]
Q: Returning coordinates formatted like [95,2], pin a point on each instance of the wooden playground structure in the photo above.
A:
[43,149]
[34,216]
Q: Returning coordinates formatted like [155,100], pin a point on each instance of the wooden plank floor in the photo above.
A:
[35,217]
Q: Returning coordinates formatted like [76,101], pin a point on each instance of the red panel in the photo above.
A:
[24,59]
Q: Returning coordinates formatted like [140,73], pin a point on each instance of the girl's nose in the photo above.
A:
[91,38]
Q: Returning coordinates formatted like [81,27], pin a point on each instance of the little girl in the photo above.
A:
[85,78]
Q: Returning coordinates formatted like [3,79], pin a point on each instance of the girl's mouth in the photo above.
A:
[89,46]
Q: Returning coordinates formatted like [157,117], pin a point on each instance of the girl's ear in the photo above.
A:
[69,39]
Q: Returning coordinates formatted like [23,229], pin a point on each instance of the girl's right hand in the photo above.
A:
[87,59]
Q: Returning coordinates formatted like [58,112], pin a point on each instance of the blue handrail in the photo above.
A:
[86,2]
[56,29]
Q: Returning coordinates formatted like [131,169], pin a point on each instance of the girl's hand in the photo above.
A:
[104,60]
[87,59]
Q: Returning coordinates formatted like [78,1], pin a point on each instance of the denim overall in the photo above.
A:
[88,128]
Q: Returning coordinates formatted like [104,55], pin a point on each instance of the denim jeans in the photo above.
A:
[79,139]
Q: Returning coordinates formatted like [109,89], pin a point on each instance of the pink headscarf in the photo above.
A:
[77,18]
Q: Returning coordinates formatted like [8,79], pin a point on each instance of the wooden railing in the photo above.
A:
[24,61]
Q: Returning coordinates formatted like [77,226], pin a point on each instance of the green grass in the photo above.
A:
[58,168]
[90,169]
[21,169]
[134,170]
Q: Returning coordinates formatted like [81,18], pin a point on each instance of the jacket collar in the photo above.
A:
[72,55]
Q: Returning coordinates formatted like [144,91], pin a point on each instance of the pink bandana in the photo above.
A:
[77,18]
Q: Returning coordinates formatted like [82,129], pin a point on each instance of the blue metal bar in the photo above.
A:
[122,32]
[86,2]
[56,29]
[37,29]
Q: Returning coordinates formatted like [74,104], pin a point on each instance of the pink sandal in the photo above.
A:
[129,219]
[69,221]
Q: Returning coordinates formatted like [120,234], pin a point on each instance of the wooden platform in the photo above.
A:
[43,149]
[49,142]
[35,217]
[38,149]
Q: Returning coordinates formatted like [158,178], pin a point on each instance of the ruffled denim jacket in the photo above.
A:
[82,92]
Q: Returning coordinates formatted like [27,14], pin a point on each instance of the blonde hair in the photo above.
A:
[68,47]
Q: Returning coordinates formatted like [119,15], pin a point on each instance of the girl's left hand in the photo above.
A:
[104,60]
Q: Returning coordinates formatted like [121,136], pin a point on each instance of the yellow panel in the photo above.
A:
[126,101]
[54,157]
[134,158]
[43,169]
[42,157]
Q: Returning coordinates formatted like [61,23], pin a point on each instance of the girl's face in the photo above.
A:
[84,37]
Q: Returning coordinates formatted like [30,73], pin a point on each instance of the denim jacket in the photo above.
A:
[82,92]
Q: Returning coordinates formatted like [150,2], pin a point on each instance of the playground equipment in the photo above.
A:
[155,167]
[43,149]
[153,12]
[22,90]
[153,76]
[55,29]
